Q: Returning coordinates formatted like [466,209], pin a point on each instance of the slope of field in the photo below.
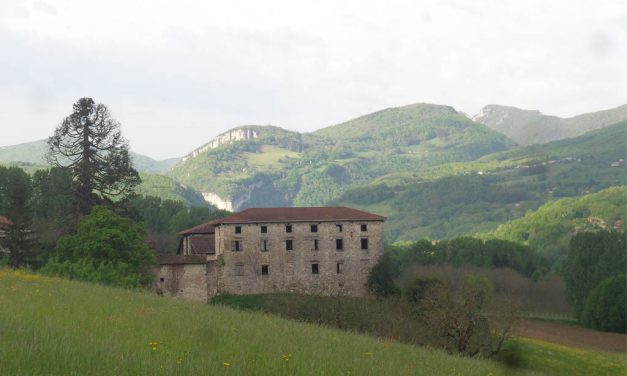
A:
[51,326]
[550,228]
[468,197]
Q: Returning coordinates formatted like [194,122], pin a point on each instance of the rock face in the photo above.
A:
[217,201]
[237,134]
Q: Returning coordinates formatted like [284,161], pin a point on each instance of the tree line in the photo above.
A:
[81,218]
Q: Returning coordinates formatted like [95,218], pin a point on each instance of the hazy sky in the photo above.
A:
[177,73]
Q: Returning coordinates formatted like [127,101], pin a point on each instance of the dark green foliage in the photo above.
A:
[16,239]
[606,306]
[419,288]
[89,143]
[594,257]
[467,251]
[106,249]
[164,218]
[53,198]
[381,277]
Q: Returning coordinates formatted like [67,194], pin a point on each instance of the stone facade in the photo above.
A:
[321,257]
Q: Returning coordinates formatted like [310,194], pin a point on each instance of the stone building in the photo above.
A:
[322,251]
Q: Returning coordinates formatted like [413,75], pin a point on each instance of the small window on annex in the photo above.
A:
[364,227]
[364,243]
[289,245]
[264,270]
[314,269]
[264,229]
[238,229]
[288,228]
[339,244]
[340,267]
[338,228]
[263,245]
[315,244]
[314,228]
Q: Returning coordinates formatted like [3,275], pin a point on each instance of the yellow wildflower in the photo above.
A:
[226,364]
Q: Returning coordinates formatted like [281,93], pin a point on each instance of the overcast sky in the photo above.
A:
[177,73]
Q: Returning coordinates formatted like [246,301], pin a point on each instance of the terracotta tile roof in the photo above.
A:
[313,214]
[268,215]
[180,259]
[5,221]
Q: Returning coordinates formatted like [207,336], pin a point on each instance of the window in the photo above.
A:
[315,244]
[236,245]
[339,244]
[263,246]
[162,279]
[239,269]
[364,227]
[340,267]
[238,229]
[364,243]
[314,228]
[264,269]
[289,245]
[288,228]
[338,228]
[314,269]
[264,229]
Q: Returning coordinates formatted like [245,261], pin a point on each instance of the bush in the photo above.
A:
[107,249]
[606,306]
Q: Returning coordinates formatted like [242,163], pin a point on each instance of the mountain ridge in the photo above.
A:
[528,127]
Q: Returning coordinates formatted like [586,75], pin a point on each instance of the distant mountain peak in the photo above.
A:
[528,127]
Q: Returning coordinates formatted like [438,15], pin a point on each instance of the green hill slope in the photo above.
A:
[269,166]
[532,127]
[550,227]
[464,198]
[33,152]
[57,327]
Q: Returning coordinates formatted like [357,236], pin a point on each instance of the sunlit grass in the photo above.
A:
[562,360]
[55,327]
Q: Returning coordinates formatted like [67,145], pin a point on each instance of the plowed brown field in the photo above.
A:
[570,335]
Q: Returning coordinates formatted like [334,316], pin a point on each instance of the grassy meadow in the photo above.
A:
[51,326]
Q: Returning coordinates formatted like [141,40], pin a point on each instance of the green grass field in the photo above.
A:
[562,360]
[56,327]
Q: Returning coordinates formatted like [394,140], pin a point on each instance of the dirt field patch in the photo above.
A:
[571,336]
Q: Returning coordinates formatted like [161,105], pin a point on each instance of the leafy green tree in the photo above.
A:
[381,278]
[18,238]
[606,307]
[52,195]
[106,249]
[594,256]
[89,143]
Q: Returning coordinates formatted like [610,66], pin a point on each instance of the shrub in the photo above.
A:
[606,306]
[107,249]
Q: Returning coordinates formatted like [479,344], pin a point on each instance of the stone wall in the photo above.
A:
[241,271]
[185,279]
